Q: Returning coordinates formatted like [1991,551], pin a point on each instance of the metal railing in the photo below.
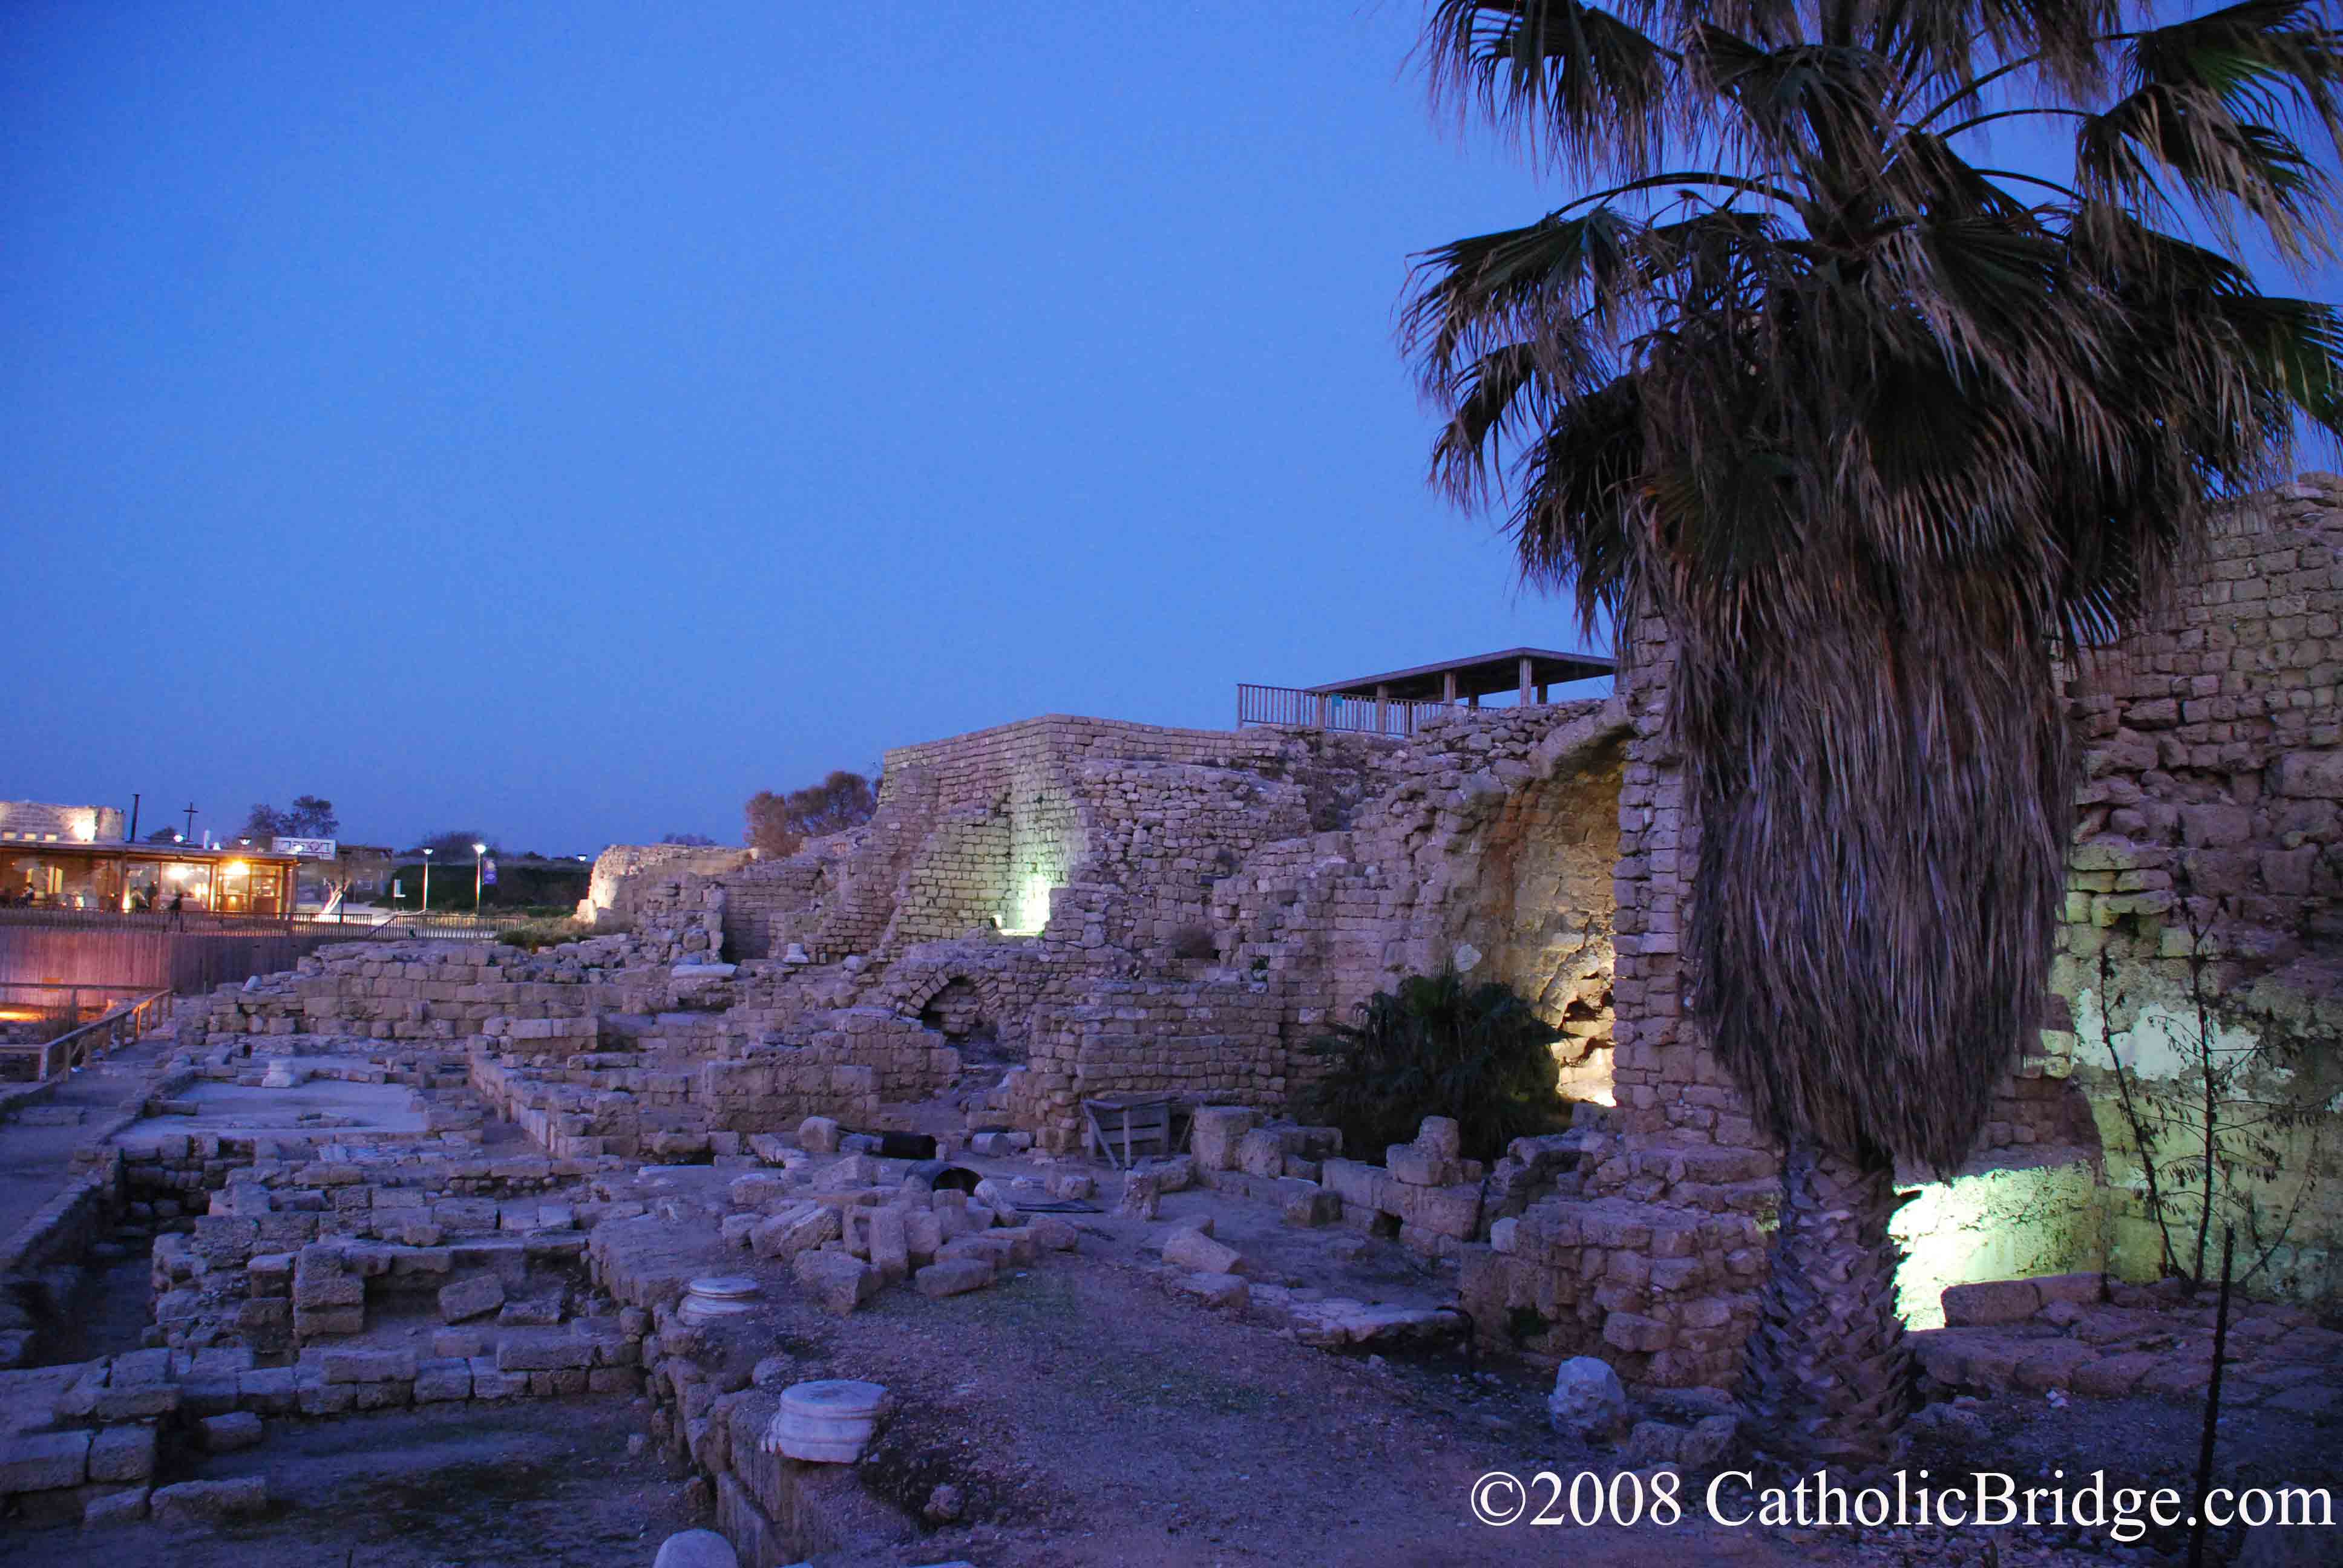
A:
[400,927]
[376,925]
[1286,705]
[188,920]
[54,1057]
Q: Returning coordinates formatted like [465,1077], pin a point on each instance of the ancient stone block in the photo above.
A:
[1313,1208]
[443,1379]
[789,1233]
[471,1298]
[1417,1167]
[115,1508]
[1261,1152]
[951,1276]
[1990,1303]
[487,1383]
[840,1282]
[268,1391]
[548,1353]
[1225,1292]
[1199,1253]
[123,1454]
[365,1366]
[43,1460]
[226,1434]
[1218,1129]
[1441,1137]
[209,1502]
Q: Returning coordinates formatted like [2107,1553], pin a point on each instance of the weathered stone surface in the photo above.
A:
[2112,1377]
[1587,1401]
[818,1135]
[123,1454]
[1226,1293]
[489,1383]
[472,1298]
[1142,1192]
[1199,1253]
[210,1502]
[1218,1129]
[1441,1137]
[795,1231]
[42,1461]
[1261,1152]
[696,1549]
[2309,775]
[443,1379]
[115,1508]
[1311,1208]
[840,1284]
[2054,1365]
[268,1391]
[1990,1303]
[226,1434]
[367,1366]
[951,1276]
[543,1353]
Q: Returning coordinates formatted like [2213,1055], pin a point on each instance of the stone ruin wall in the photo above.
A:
[1214,900]
[619,870]
[2211,753]
[2215,764]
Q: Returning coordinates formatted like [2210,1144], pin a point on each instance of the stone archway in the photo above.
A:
[971,1011]
[1541,913]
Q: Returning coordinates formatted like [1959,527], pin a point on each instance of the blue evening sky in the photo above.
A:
[566,420]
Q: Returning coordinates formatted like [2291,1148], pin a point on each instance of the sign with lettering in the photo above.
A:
[488,873]
[307,848]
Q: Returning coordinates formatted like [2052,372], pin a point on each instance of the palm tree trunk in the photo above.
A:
[1830,1377]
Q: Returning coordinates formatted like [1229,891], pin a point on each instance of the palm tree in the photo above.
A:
[1881,428]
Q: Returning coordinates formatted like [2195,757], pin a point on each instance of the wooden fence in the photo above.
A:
[151,951]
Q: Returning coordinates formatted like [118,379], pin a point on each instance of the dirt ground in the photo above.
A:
[1089,1416]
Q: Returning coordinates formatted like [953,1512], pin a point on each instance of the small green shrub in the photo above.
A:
[1438,1047]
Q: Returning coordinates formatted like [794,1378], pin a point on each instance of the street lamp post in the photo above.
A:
[477,851]
[427,881]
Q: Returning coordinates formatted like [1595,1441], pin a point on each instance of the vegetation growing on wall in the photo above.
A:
[1439,1047]
[2210,1142]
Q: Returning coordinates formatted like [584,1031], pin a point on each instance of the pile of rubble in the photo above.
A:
[856,1223]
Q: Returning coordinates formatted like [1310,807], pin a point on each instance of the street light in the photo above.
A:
[427,881]
[477,851]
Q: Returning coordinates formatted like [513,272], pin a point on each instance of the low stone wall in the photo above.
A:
[1205,1042]
[591,1106]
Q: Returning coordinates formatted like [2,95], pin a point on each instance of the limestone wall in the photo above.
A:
[2214,763]
[619,870]
[2213,771]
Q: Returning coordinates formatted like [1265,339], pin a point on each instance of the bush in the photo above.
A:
[1438,1048]
[537,934]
